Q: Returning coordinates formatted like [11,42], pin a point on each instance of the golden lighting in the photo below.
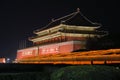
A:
[87,57]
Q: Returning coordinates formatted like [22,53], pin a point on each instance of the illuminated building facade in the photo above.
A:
[74,27]
[69,34]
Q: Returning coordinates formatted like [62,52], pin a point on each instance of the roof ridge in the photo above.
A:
[64,16]
[54,20]
[64,19]
[44,27]
[71,16]
[74,13]
[86,18]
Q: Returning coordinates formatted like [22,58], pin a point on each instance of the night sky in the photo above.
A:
[18,19]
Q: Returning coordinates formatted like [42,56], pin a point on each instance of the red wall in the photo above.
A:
[57,48]
[33,51]
[64,47]
[48,49]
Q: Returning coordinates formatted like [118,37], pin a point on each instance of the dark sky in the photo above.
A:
[19,18]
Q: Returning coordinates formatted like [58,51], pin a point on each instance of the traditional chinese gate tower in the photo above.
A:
[61,42]
[69,33]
